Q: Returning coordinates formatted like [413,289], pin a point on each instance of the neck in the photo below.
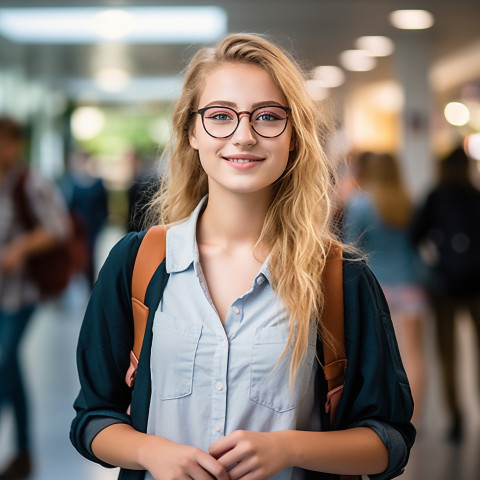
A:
[232,219]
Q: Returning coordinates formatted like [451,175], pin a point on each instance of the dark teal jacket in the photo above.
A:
[376,392]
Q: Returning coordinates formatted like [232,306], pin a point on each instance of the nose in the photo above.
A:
[244,133]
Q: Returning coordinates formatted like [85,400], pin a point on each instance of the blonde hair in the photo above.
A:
[390,196]
[297,227]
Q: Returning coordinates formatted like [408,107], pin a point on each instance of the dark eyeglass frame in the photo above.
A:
[201,112]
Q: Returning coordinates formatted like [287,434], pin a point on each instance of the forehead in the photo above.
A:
[240,84]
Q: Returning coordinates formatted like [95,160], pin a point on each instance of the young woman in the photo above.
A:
[228,385]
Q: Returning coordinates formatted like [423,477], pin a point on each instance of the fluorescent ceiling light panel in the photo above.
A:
[139,25]
[329,76]
[412,19]
[376,45]
[357,60]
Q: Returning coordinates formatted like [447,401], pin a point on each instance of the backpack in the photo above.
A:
[50,270]
[151,254]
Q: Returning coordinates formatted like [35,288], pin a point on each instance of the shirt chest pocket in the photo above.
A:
[174,346]
[269,380]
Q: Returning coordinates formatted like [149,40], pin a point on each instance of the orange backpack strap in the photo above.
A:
[151,254]
[335,362]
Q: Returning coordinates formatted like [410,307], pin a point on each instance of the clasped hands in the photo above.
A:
[241,455]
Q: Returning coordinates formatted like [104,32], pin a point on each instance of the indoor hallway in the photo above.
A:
[49,353]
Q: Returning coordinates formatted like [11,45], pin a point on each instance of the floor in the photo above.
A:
[49,358]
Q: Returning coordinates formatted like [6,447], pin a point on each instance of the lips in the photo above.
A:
[243,158]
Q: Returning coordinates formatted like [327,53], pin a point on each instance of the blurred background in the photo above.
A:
[94,82]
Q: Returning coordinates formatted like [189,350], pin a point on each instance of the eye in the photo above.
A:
[219,114]
[269,114]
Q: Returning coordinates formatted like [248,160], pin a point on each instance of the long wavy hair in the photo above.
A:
[297,228]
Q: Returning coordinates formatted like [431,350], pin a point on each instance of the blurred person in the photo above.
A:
[377,218]
[350,177]
[248,208]
[87,200]
[447,225]
[19,295]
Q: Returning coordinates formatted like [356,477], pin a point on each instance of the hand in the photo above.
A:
[173,461]
[251,455]
[12,259]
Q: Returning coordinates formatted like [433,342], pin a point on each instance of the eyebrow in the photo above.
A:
[233,105]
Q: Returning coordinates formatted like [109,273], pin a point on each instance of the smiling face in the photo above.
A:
[244,162]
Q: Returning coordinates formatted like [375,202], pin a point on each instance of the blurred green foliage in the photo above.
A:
[145,131]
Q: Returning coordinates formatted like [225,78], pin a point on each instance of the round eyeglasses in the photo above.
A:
[268,121]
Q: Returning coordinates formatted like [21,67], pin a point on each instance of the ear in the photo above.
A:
[192,138]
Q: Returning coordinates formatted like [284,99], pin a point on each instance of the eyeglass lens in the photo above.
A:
[221,122]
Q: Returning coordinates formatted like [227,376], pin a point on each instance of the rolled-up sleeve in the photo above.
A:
[398,451]
[104,344]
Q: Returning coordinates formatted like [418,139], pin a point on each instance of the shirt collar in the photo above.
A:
[265,270]
[182,241]
[182,248]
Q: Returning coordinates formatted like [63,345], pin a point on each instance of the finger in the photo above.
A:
[255,475]
[198,473]
[221,446]
[230,458]
[240,470]
[217,456]
[212,467]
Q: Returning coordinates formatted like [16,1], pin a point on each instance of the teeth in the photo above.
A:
[238,160]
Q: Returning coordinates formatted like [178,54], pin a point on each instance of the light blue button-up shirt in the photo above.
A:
[209,379]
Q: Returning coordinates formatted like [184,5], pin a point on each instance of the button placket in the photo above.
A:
[219,394]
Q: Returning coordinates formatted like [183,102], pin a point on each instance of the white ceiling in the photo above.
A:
[315,31]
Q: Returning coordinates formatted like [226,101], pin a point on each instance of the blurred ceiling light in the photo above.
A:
[87,122]
[375,45]
[387,96]
[474,121]
[94,24]
[473,145]
[457,113]
[316,90]
[112,79]
[114,24]
[329,76]
[411,19]
[357,60]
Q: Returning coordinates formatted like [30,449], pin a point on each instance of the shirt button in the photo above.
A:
[219,386]
[218,428]
[236,310]
[260,280]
